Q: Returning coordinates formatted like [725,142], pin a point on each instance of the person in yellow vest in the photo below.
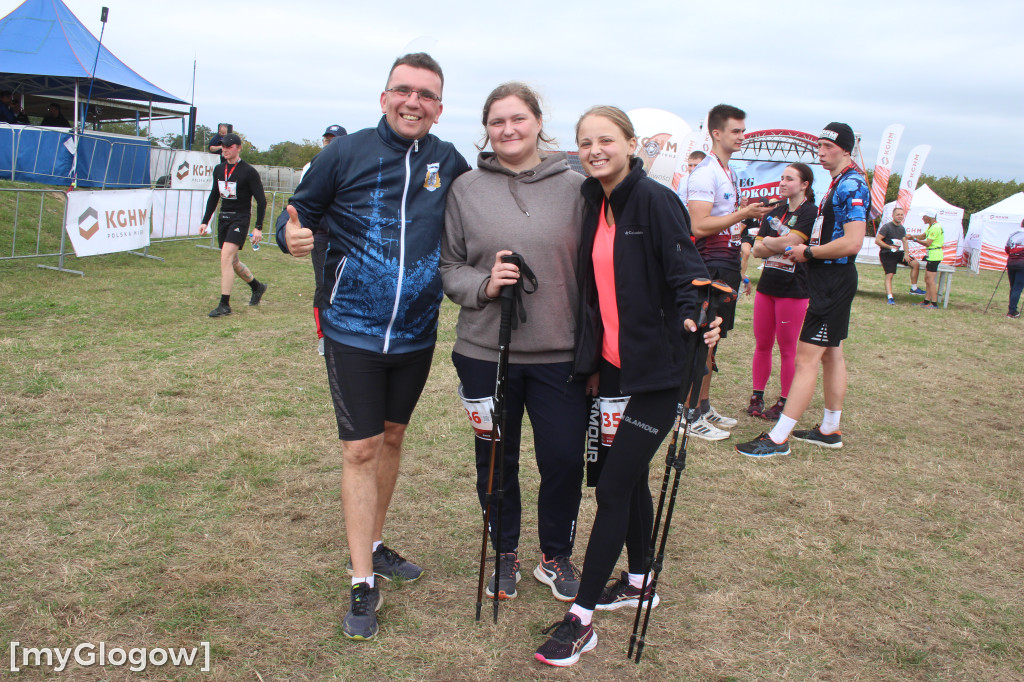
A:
[931,240]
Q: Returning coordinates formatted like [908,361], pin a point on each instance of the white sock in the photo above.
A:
[780,433]
[637,579]
[830,422]
[369,581]
[585,615]
[376,544]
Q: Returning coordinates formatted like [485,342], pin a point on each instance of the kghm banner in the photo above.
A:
[911,174]
[883,166]
[108,221]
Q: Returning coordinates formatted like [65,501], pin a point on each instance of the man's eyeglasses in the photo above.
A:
[406,93]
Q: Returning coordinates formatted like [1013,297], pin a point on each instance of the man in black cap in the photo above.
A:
[836,237]
[320,298]
[237,184]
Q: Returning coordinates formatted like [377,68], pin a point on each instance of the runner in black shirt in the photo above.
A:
[237,183]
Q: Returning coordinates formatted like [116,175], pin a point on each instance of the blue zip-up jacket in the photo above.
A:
[381,198]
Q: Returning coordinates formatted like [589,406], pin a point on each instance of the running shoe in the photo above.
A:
[390,565]
[763,446]
[560,574]
[890,300]
[361,620]
[568,639]
[220,311]
[257,294]
[1013,316]
[917,292]
[930,306]
[718,420]
[756,406]
[620,592]
[825,440]
[702,429]
[510,577]
[773,413]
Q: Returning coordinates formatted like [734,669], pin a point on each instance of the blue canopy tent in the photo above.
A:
[46,51]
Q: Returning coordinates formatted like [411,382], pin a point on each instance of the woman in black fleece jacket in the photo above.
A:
[637,304]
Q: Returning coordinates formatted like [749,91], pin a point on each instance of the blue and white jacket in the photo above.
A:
[381,198]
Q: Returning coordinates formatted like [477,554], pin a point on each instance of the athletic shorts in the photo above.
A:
[233,228]
[890,259]
[932,265]
[371,388]
[728,310]
[827,321]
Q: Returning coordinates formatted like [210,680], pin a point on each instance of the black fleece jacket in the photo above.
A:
[655,264]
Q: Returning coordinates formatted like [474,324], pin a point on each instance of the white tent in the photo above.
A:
[925,199]
[989,229]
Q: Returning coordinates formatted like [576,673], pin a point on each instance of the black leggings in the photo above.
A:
[625,512]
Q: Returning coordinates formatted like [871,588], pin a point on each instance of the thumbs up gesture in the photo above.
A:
[298,239]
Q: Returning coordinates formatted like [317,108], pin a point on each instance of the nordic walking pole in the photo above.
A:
[998,282]
[719,292]
[498,415]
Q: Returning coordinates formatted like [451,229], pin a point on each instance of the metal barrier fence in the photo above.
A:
[32,222]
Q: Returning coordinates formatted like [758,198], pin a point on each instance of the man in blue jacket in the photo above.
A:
[380,194]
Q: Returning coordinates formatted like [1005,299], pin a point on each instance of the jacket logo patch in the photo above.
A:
[433,179]
[630,233]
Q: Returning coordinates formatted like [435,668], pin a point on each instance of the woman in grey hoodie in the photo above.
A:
[520,200]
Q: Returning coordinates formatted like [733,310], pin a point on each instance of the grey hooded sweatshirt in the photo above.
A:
[537,213]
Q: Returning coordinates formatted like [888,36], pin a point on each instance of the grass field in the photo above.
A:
[167,479]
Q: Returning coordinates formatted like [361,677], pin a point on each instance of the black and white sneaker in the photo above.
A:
[825,440]
[510,577]
[257,294]
[390,565]
[560,574]
[620,592]
[763,446]
[721,421]
[569,638]
[361,620]
[220,311]
[701,428]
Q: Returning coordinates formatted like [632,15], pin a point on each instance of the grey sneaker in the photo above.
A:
[712,417]
[560,574]
[361,620]
[618,593]
[510,577]
[390,565]
[702,429]
[825,440]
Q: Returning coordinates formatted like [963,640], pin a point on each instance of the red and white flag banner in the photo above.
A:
[911,174]
[883,167]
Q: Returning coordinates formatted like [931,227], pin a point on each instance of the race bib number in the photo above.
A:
[479,411]
[611,416]
[816,231]
[735,233]
[227,189]
[778,262]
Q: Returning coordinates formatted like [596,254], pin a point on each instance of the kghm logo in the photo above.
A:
[88,223]
[183,170]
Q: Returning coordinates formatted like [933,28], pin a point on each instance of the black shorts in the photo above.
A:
[728,310]
[233,228]
[932,265]
[890,259]
[371,388]
[827,321]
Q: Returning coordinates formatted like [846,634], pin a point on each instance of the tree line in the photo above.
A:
[972,195]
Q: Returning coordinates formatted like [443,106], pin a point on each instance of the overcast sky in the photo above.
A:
[951,71]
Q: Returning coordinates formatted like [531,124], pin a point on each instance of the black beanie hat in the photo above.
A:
[840,135]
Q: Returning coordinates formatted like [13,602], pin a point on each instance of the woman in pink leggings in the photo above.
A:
[781,298]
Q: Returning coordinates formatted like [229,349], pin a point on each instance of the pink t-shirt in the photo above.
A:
[604,274]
